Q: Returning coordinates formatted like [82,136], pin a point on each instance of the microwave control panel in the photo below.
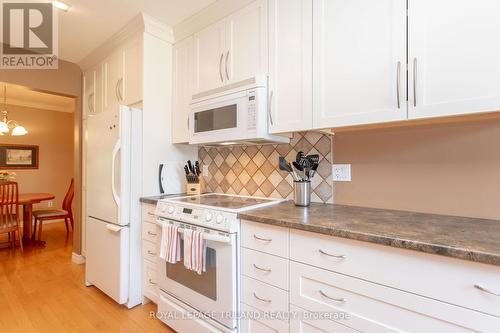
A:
[251,109]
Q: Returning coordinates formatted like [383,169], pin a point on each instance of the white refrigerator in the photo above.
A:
[113,183]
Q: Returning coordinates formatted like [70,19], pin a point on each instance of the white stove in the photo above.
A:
[212,210]
[216,291]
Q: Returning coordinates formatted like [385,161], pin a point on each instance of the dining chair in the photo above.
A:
[65,213]
[9,212]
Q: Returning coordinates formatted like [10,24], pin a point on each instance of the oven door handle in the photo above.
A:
[222,237]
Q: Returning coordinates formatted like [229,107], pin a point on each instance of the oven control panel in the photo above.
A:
[201,216]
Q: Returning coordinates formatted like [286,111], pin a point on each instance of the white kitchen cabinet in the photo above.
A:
[132,72]
[232,49]
[453,57]
[113,80]
[306,322]
[183,65]
[150,247]
[209,49]
[92,90]
[246,43]
[290,65]
[256,322]
[358,62]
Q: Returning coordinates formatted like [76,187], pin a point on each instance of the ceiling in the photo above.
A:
[89,23]
[23,96]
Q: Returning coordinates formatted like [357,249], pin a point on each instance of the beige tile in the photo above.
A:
[244,191]
[283,149]
[267,150]
[251,186]
[275,178]
[251,168]
[324,169]
[313,137]
[237,186]
[259,177]
[259,193]
[284,188]
[224,184]
[237,151]
[224,152]
[212,152]
[267,168]
[230,159]
[323,145]
[244,159]
[267,188]
[202,152]
[230,176]
[218,177]
[324,191]
[276,194]
[303,145]
[218,160]
[251,151]
[296,137]
[244,177]
[224,168]
[213,168]
[259,159]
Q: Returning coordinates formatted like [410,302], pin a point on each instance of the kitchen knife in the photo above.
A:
[186,169]
[190,166]
[197,168]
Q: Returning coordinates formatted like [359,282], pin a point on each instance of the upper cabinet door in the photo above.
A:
[246,43]
[290,65]
[92,94]
[454,54]
[359,56]
[133,70]
[209,53]
[113,81]
[182,89]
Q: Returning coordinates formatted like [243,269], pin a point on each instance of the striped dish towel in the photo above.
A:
[170,249]
[195,250]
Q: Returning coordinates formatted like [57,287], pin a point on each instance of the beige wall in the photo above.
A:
[67,79]
[53,132]
[447,169]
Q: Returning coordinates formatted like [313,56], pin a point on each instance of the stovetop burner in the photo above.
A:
[223,201]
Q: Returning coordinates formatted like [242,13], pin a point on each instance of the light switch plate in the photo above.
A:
[341,172]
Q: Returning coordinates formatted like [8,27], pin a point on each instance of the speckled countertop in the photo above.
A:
[154,199]
[460,237]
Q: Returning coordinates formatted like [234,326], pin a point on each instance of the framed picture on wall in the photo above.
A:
[18,156]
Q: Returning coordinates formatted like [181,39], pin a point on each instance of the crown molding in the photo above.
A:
[140,24]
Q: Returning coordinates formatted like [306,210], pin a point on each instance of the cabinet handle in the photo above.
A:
[398,83]
[262,239]
[151,233]
[90,102]
[227,58]
[151,253]
[151,213]
[486,290]
[220,67]
[340,256]
[269,107]
[340,300]
[415,82]
[262,269]
[118,89]
[261,299]
[151,282]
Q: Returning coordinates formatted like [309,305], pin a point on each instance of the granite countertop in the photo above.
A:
[460,237]
[154,199]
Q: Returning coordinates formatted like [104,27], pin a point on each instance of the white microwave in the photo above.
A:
[232,116]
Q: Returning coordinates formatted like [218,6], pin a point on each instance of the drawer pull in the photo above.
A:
[151,213]
[151,282]
[262,269]
[340,300]
[151,253]
[151,233]
[261,299]
[339,256]
[262,239]
[486,290]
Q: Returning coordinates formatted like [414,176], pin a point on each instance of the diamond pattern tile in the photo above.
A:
[253,170]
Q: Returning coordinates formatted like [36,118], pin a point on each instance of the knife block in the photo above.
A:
[196,188]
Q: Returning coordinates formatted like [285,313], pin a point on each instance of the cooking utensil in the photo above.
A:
[285,166]
[314,167]
[299,157]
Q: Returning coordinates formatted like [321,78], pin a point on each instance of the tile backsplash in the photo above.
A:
[253,170]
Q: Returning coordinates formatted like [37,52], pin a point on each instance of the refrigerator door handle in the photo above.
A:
[113,158]
[113,228]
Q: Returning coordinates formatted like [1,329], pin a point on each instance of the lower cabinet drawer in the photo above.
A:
[307,322]
[265,238]
[150,281]
[265,267]
[446,279]
[149,251]
[263,296]
[148,213]
[151,232]
[256,322]
[375,308]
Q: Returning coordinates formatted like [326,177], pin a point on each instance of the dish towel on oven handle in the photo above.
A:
[195,250]
[170,249]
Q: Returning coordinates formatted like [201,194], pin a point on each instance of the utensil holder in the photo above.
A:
[302,193]
[196,188]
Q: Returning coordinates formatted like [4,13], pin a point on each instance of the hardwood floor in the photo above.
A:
[43,291]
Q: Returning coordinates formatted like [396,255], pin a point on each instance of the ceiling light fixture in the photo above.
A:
[61,5]
[9,126]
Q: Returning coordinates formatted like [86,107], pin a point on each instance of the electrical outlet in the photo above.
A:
[341,172]
[50,203]
[205,170]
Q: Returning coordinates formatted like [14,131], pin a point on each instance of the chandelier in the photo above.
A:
[9,127]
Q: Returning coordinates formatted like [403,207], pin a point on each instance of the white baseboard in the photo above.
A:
[77,258]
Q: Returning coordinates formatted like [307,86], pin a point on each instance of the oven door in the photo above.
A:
[220,119]
[215,290]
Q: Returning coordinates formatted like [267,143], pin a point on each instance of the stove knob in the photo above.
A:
[209,216]
[219,219]
[171,209]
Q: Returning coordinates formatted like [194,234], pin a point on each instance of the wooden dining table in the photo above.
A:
[27,200]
